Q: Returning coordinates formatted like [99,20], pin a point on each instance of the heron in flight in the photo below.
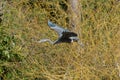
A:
[64,35]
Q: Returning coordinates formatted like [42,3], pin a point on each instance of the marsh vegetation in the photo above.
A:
[25,21]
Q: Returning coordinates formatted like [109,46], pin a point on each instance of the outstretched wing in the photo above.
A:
[57,28]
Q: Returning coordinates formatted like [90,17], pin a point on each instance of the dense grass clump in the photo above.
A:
[24,22]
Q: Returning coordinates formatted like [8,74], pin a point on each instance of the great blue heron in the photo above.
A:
[64,35]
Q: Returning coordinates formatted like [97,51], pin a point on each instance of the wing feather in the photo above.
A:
[57,28]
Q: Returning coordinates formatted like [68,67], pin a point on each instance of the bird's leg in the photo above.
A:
[46,40]
[72,40]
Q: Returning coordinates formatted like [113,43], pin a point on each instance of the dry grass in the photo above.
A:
[99,59]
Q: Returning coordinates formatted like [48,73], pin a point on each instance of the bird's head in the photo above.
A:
[74,39]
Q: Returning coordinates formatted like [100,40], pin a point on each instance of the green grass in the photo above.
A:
[24,23]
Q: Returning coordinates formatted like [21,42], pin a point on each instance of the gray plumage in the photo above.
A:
[57,28]
[64,35]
